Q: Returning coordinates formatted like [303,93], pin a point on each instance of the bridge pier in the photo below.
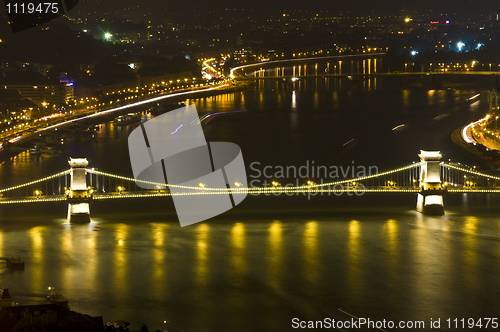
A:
[430,198]
[78,195]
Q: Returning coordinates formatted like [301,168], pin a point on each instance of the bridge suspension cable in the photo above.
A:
[252,189]
[36,181]
[446,165]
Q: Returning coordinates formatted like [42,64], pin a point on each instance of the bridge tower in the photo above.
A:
[430,198]
[78,195]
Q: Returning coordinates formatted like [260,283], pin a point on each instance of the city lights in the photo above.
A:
[345,88]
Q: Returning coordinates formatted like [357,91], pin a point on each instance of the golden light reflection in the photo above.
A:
[406,98]
[159,251]
[121,235]
[354,233]
[470,225]
[1,243]
[369,66]
[275,255]
[37,255]
[391,228]
[311,251]
[340,67]
[238,248]
[202,242]
[91,254]
[470,253]
[375,66]
[391,231]
[354,258]
[67,248]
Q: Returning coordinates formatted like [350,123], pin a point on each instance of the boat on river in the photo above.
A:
[15,263]
[127,119]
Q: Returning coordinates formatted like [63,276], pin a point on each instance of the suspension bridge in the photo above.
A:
[429,179]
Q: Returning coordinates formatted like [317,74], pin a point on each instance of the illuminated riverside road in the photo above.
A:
[272,258]
[96,113]
[469,73]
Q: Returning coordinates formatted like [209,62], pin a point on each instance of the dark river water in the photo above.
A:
[272,259]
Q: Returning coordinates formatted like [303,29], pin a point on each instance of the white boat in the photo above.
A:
[127,119]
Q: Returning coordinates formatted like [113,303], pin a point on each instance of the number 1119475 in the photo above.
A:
[481,323]
[32,8]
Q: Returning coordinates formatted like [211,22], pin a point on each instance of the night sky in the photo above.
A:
[153,10]
[459,6]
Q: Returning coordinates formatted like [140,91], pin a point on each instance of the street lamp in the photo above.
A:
[107,35]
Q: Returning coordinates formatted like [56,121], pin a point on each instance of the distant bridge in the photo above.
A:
[367,70]
[430,179]
[365,75]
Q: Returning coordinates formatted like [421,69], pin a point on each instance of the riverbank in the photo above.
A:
[91,118]
[471,151]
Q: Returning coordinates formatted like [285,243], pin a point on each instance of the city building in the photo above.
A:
[35,87]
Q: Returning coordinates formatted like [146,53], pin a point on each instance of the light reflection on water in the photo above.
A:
[354,274]
[238,249]
[275,256]
[120,257]
[94,269]
[202,243]
[310,252]
[261,273]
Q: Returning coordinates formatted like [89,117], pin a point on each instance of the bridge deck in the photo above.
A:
[267,190]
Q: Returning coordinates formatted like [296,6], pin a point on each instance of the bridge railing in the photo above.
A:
[455,178]
[53,185]
[457,175]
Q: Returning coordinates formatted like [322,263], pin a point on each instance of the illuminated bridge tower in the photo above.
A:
[430,198]
[78,195]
